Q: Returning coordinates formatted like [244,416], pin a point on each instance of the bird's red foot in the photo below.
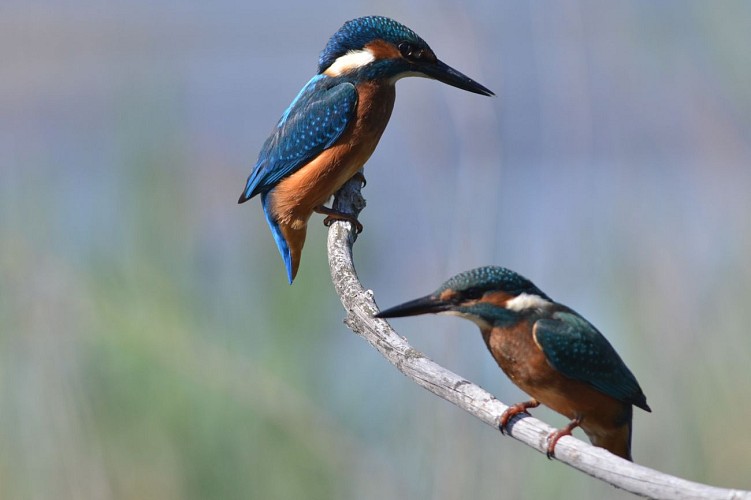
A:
[555,436]
[334,215]
[514,410]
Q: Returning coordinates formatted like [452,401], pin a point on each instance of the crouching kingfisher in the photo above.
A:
[333,125]
[547,350]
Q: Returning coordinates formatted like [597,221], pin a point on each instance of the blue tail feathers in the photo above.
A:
[250,186]
[281,243]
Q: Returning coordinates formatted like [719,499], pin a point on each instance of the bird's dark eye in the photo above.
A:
[406,49]
[473,293]
[415,52]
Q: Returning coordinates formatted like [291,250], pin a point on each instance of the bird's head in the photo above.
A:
[379,47]
[487,296]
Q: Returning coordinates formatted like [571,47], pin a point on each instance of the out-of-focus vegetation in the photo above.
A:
[151,348]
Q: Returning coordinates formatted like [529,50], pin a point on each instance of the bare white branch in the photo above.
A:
[597,462]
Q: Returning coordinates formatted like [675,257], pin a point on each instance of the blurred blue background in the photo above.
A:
[150,346]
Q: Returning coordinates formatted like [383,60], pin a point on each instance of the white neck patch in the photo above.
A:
[526,301]
[350,61]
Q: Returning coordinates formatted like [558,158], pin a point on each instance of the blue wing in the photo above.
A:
[576,349]
[313,122]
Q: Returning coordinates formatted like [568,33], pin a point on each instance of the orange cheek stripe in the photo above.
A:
[497,298]
[383,50]
[447,295]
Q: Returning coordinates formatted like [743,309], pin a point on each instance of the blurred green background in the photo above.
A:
[150,346]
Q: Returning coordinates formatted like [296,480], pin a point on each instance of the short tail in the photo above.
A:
[289,241]
[616,440]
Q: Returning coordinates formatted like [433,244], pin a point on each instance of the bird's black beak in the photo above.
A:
[448,75]
[423,305]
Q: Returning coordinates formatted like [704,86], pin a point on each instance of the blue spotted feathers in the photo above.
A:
[312,123]
[578,350]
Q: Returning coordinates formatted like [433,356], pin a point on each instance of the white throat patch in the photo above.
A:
[474,319]
[526,301]
[351,60]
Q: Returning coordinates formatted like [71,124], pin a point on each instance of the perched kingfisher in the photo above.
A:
[333,125]
[547,350]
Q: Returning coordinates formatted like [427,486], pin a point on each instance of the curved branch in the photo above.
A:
[591,460]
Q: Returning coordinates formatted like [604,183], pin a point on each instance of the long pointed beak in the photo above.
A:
[423,305]
[448,75]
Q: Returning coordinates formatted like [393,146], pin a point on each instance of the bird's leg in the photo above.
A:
[334,215]
[514,410]
[555,436]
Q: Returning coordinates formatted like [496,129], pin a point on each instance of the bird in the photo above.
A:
[548,350]
[333,125]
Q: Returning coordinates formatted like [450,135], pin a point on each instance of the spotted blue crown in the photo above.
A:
[491,278]
[355,34]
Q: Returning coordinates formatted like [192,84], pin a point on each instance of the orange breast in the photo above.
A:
[294,198]
[525,364]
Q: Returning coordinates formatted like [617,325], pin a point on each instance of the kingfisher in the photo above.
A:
[334,124]
[547,349]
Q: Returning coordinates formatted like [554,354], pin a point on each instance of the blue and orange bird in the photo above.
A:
[548,350]
[333,125]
